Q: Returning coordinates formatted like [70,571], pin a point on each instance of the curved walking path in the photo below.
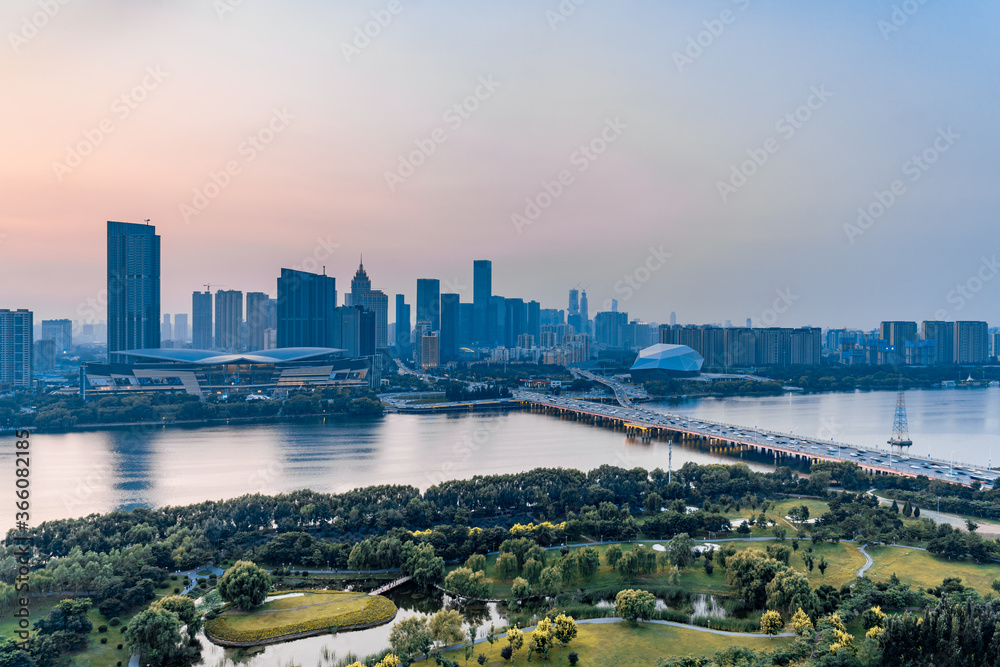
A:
[868,561]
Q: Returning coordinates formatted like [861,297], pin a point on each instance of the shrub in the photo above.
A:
[506,652]
[176,590]
[115,622]
[119,647]
[102,628]
[122,629]
[573,658]
[173,577]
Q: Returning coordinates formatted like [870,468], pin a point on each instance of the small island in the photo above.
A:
[289,615]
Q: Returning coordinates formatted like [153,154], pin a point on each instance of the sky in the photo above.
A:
[796,163]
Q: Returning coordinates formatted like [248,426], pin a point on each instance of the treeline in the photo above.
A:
[65,412]
[867,378]
[720,388]
[458,391]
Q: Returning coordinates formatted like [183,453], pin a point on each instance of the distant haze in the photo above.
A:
[135,109]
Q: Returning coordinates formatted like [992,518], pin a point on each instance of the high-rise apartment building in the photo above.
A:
[201,314]
[940,340]
[898,337]
[429,302]
[228,319]
[166,328]
[258,319]
[60,331]
[403,327]
[971,342]
[482,290]
[306,309]
[181,327]
[466,316]
[133,287]
[16,348]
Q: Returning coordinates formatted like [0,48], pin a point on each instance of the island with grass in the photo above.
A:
[287,615]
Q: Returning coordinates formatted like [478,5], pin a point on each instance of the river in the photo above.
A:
[75,474]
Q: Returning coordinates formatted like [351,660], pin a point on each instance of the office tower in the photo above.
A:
[430,353]
[466,317]
[614,305]
[355,331]
[971,342]
[515,320]
[166,329]
[608,328]
[421,329]
[496,314]
[360,284]
[573,313]
[552,317]
[729,324]
[895,336]
[584,313]
[45,355]
[749,321]
[673,318]
[181,327]
[16,348]
[201,316]
[306,309]
[534,319]
[133,287]
[377,302]
[228,319]
[450,320]
[402,327]
[482,290]
[996,345]
[272,313]
[61,331]
[941,337]
[258,319]
[429,302]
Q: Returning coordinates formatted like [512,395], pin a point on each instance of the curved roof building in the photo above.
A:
[663,362]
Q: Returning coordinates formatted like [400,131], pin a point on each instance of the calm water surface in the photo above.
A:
[75,474]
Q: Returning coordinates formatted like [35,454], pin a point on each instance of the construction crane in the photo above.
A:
[900,431]
[208,286]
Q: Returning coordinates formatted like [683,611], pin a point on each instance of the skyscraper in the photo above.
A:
[515,321]
[356,331]
[360,284]
[482,290]
[201,314]
[429,302]
[133,287]
[258,319]
[450,319]
[402,326]
[228,319]
[61,331]
[377,302]
[573,313]
[972,343]
[941,336]
[584,314]
[181,327]
[16,348]
[895,336]
[306,309]
[166,329]
[466,315]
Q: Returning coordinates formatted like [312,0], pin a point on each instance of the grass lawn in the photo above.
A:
[919,568]
[619,644]
[299,609]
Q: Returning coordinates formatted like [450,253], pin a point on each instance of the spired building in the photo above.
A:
[376,301]
[133,287]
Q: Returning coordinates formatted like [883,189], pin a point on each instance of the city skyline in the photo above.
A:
[673,98]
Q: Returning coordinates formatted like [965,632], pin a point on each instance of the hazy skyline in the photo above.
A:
[166,94]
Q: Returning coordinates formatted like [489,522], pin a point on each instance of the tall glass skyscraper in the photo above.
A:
[133,287]
[201,320]
[403,326]
[429,302]
[482,290]
[450,320]
[307,304]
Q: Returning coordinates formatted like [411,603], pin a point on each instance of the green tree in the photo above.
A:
[822,565]
[11,655]
[653,503]
[613,554]
[550,581]
[185,609]
[154,633]
[680,550]
[422,564]
[633,604]
[628,566]
[410,638]
[506,566]
[801,623]
[873,618]
[446,627]
[771,623]
[532,570]
[564,629]
[245,584]
[476,562]
[588,561]
[520,589]
[468,584]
